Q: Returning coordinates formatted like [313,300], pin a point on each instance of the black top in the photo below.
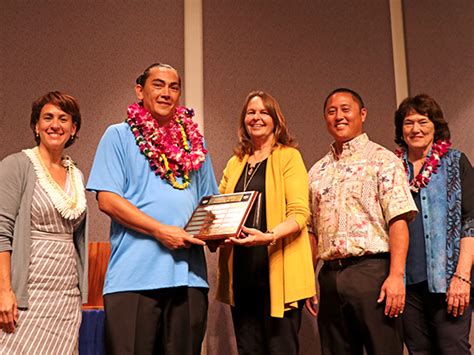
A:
[250,267]
[467,188]
[416,257]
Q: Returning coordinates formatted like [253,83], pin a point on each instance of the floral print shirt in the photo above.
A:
[353,198]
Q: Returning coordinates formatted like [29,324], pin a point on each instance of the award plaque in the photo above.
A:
[221,216]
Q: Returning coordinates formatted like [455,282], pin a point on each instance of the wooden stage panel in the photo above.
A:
[99,253]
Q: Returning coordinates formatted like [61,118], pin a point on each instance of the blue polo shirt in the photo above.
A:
[138,261]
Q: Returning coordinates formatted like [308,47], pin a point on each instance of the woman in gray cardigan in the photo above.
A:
[43,237]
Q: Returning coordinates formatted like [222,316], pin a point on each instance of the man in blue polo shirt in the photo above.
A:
[150,173]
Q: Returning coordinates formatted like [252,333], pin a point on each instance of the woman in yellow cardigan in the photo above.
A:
[267,273]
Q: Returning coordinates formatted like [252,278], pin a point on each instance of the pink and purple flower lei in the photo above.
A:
[430,166]
[173,150]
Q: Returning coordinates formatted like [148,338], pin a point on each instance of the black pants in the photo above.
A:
[429,329]
[259,334]
[350,318]
[169,321]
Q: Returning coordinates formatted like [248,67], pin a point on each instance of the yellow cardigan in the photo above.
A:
[290,264]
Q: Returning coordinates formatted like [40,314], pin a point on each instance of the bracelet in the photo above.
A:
[274,240]
[462,278]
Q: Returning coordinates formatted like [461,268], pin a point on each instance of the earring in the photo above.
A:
[37,134]
[72,137]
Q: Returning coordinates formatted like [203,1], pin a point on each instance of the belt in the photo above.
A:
[339,264]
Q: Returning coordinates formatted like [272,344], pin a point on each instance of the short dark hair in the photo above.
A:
[65,102]
[354,94]
[141,80]
[425,105]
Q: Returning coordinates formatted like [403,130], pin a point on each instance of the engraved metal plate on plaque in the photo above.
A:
[221,216]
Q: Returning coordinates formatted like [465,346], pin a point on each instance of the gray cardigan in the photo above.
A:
[17,184]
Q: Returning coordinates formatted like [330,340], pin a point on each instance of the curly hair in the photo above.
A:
[425,105]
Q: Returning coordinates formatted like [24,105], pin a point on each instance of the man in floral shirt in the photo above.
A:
[360,203]
[150,172]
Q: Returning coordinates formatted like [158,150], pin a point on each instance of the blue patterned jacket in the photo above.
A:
[442,221]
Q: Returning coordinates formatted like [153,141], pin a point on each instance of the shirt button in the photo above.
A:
[423,198]
[427,236]
[425,216]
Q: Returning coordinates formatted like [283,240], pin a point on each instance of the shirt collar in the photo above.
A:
[351,147]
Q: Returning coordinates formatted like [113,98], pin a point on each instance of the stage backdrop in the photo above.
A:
[296,50]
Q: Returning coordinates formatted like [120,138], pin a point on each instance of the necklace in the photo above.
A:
[250,172]
[430,166]
[250,169]
[70,207]
[173,150]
